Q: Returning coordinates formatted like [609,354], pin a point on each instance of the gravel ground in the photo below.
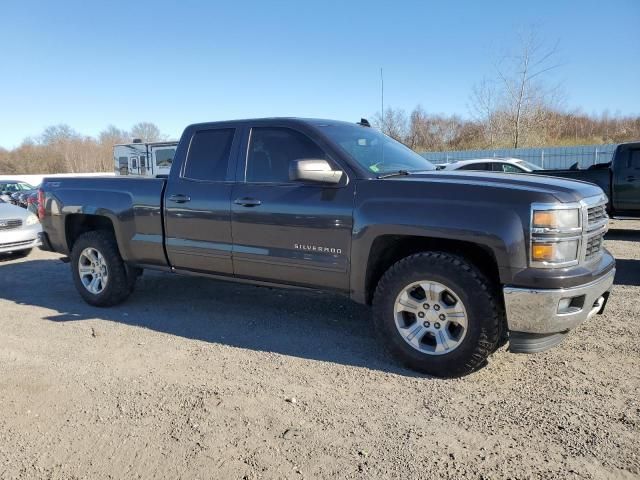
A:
[193,378]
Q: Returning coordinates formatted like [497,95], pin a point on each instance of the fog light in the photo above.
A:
[563,305]
[571,304]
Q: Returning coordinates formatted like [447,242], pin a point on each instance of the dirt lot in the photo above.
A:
[193,378]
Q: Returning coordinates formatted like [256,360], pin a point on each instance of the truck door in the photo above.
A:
[285,231]
[198,204]
[627,179]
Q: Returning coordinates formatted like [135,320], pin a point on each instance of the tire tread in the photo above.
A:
[120,285]
[492,328]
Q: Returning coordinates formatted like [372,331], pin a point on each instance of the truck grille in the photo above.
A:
[596,223]
[9,224]
[594,246]
[596,214]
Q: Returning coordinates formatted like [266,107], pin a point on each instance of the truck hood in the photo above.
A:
[563,190]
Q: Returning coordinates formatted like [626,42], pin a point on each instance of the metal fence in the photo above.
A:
[553,158]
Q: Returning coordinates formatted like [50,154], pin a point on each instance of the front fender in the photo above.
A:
[495,227]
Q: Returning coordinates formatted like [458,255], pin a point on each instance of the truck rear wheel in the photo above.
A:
[436,312]
[98,270]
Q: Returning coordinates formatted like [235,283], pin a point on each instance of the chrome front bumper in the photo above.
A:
[539,311]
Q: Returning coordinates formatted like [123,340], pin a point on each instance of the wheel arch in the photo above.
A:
[77,224]
[388,249]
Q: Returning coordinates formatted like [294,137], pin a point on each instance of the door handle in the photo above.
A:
[631,178]
[247,202]
[179,198]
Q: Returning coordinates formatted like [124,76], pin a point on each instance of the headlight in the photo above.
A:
[31,220]
[564,220]
[555,235]
[556,252]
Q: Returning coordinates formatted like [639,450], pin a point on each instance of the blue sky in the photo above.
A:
[91,64]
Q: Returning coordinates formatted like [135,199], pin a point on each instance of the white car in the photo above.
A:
[505,165]
[19,229]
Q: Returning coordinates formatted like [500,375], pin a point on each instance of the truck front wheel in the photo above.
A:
[99,272]
[438,314]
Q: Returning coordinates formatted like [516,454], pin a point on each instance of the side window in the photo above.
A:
[476,166]
[164,157]
[507,168]
[634,159]
[208,156]
[271,151]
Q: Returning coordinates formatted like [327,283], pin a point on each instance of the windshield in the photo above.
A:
[527,165]
[374,151]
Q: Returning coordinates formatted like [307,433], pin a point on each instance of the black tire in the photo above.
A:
[119,285]
[484,312]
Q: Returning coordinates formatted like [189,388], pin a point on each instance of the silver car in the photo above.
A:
[19,229]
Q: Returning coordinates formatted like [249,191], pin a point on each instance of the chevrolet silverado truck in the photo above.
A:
[619,179]
[454,264]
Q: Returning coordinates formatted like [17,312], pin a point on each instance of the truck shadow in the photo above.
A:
[317,326]
[627,272]
[629,235]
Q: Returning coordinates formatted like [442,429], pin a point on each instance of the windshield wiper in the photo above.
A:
[397,173]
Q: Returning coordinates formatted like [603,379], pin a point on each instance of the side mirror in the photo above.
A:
[318,171]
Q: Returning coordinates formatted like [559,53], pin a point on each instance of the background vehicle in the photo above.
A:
[21,198]
[506,165]
[449,261]
[32,203]
[619,179]
[14,187]
[144,159]
[19,229]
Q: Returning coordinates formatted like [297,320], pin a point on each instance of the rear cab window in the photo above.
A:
[208,155]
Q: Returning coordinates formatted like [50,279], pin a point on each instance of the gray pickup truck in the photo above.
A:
[452,263]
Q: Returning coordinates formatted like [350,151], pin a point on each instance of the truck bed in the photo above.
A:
[598,176]
[133,205]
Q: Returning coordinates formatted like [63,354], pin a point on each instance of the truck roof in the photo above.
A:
[267,120]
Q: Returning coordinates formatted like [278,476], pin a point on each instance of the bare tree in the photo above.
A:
[113,135]
[516,106]
[418,133]
[484,99]
[526,96]
[147,132]
[392,123]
